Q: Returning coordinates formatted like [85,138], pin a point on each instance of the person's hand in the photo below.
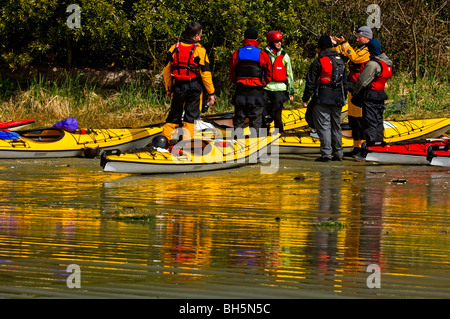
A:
[211,100]
[340,40]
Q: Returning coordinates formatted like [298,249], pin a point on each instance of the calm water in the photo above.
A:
[308,231]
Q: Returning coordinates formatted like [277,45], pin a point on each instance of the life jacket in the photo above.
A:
[183,66]
[279,73]
[379,83]
[332,70]
[249,62]
[355,70]
[330,89]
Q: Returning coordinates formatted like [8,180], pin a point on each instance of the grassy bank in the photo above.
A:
[135,105]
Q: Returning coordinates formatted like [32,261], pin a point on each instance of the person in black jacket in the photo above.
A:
[326,86]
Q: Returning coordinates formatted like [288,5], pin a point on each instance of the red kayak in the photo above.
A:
[439,155]
[15,125]
[407,152]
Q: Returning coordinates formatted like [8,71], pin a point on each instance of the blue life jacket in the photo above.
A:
[249,62]
[249,53]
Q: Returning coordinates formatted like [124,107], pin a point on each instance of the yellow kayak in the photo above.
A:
[295,118]
[189,156]
[307,141]
[56,142]
[292,118]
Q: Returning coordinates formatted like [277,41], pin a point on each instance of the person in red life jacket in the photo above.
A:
[369,92]
[281,88]
[187,76]
[357,59]
[326,86]
[251,71]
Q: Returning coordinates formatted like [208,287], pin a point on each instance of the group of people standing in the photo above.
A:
[328,86]
[264,82]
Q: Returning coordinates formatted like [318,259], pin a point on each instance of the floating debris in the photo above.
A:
[399,181]
[332,225]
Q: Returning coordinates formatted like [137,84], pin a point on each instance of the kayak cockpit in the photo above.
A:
[51,134]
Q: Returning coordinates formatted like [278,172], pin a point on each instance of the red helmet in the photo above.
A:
[274,36]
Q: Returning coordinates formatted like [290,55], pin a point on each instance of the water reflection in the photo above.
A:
[236,233]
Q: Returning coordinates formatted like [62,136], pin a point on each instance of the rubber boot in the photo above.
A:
[168,129]
[188,131]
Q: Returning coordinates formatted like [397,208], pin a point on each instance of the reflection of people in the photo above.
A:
[251,70]
[186,75]
[358,58]
[369,91]
[328,94]
[281,88]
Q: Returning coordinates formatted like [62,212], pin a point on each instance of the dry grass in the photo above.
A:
[135,105]
[50,109]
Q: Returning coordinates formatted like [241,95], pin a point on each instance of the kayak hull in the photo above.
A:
[439,155]
[190,156]
[16,125]
[396,131]
[56,143]
[145,168]
[441,161]
[308,142]
[407,153]
[291,118]
[394,158]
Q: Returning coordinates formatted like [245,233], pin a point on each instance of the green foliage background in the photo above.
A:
[136,34]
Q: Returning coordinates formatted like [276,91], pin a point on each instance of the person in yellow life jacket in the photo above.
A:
[357,59]
[281,88]
[187,76]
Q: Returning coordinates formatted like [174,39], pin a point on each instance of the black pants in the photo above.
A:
[252,112]
[274,107]
[373,126]
[356,124]
[185,98]
[249,102]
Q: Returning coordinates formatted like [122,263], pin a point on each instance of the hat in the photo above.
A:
[325,42]
[251,33]
[365,31]
[374,47]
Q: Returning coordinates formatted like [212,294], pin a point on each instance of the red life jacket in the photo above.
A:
[327,70]
[183,66]
[330,75]
[355,70]
[379,83]
[279,73]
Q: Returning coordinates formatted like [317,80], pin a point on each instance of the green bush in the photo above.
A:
[136,33]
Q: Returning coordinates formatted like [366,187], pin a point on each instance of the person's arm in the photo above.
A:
[205,70]
[357,56]
[290,77]
[167,74]
[312,79]
[233,63]
[267,66]
[369,73]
